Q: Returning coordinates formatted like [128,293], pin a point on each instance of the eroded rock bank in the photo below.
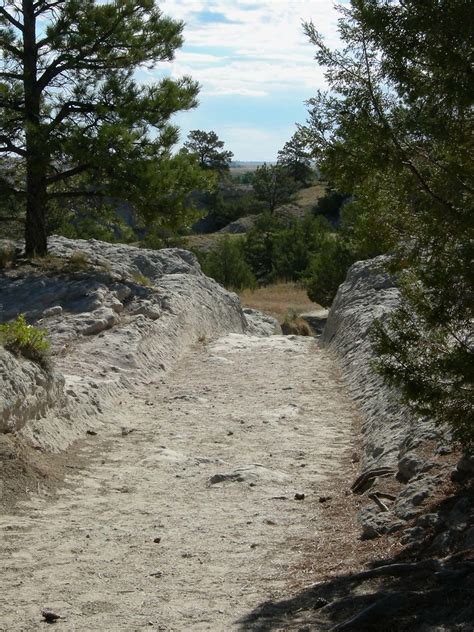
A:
[405,459]
[116,316]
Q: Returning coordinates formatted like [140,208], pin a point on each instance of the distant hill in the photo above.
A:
[244,166]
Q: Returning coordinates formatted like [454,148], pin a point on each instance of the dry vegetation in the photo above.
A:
[279,299]
[207,241]
[307,198]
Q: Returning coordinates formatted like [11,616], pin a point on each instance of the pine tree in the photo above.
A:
[75,120]
[296,158]
[395,130]
[272,185]
[209,150]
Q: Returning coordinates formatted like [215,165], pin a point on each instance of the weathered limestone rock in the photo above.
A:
[392,435]
[115,315]
[26,391]
[259,324]
[316,320]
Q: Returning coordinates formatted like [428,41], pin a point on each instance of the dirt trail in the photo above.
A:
[145,538]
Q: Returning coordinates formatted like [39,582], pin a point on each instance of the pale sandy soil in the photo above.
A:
[140,539]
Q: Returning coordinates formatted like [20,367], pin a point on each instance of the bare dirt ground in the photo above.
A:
[185,516]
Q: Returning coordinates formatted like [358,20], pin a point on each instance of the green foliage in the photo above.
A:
[330,205]
[86,219]
[209,150]
[328,269]
[242,178]
[157,237]
[259,247]
[227,265]
[76,121]
[296,159]
[228,204]
[295,246]
[22,339]
[277,251]
[395,130]
[273,186]
[429,359]
[140,279]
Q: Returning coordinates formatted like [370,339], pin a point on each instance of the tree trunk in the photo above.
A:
[36,202]
[36,192]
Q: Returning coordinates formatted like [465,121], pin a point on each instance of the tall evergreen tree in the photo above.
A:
[74,116]
[272,185]
[209,150]
[296,158]
[395,130]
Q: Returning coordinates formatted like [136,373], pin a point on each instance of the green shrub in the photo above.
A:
[327,270]
[330,205]
[276,249]
[140,279]
[227,265]
[22,339]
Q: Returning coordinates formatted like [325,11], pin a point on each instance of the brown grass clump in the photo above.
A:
[308,198]
[7,254]
[296,327]
[78,261]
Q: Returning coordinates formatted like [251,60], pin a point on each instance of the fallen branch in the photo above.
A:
[363,482]
[387,606]
[385,495]
[382,506]
[395,570]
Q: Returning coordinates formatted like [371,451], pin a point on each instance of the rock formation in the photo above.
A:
[116,316]
[394,441]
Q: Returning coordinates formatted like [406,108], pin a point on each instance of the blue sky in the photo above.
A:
[254,65]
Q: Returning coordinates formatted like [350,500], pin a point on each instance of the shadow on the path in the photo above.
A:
[413,591]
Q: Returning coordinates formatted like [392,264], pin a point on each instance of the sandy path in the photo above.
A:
[91,553]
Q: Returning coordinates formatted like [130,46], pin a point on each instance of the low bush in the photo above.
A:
[327,270]
[23,339]
[227,265]
[141,279]
[294,325]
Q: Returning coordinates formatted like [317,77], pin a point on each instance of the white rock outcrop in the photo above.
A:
[116,316]
[389,430]
[391,435]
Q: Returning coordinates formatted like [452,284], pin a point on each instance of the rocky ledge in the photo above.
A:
[116,316]
[405,460]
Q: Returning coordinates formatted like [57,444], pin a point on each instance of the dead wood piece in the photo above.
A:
[396,570]
[385,607]
[382,506]
[363,482]
[384,495]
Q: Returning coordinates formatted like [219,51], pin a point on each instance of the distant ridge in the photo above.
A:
[238,164]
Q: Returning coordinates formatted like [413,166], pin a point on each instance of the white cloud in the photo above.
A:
[250,48]
[264,144]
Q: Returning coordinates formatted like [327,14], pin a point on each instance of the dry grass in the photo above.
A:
[307,198]
[296,327]
[207,241]
[278,299]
